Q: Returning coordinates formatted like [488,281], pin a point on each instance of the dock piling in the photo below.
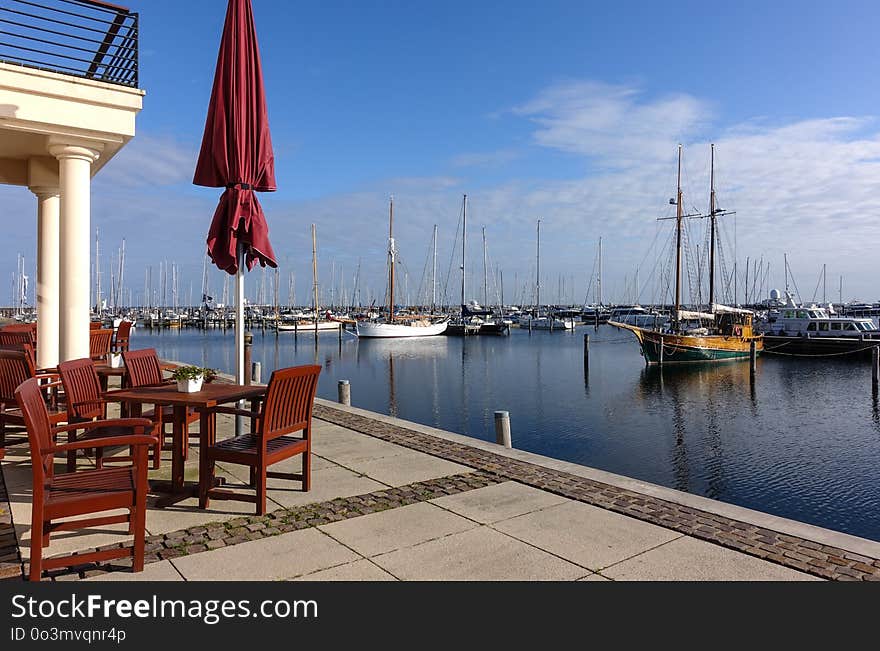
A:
[248,342]
[502,429]
[344,389]
[587,348]
[753,359]
[257,373]
[875,369]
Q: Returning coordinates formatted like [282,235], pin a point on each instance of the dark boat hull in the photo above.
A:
[798,346]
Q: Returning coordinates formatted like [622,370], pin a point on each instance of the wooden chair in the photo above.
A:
[82,389]
[16,338]
[95,325]
[142,369]
[287,409]
[121,337]
[16,366]
[99,343]
[81,493]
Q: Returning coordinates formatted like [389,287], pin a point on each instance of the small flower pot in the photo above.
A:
[189,386]
[115,360]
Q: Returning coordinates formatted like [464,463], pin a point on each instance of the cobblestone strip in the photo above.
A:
[791,551]
[10,559]
[238,530]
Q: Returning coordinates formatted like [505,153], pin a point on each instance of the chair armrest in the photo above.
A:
[236,411]
[133,439]
[50,385]
[146,423]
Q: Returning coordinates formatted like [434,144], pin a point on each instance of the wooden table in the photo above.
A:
[105,372]
[211,395]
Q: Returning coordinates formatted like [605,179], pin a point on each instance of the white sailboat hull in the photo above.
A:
[386,330]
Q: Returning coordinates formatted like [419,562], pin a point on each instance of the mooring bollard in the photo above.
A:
[875,369]
[753,358]
[586,348]
[660,360]
[340,331]
[502,429]
[530,325]
[344,387]
[248,342]
[257,373]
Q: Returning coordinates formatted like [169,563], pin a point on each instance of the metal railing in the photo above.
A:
[84,38]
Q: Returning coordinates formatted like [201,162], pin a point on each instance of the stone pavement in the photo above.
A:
[394,500]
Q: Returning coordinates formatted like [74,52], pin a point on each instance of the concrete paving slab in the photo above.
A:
[499,501]
[161,571]
[382,532]
[480,554]
[362,570]
[407,468]
[347,448]
[586,535]
[277,557]
[327,484]
[689,559]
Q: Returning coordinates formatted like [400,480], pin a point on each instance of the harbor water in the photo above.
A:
[801,442]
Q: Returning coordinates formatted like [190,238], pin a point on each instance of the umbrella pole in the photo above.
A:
[239,332]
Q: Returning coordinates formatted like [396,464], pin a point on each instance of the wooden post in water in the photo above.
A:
[257,372]
[660,360]
[530,325]
[875,369]
[502,429]
[344,390]
[587,348]
[753,359]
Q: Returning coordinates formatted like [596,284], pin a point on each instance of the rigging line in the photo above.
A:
[452,256]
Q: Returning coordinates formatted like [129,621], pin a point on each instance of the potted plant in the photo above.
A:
[115,360]
[209,374]
[189,378]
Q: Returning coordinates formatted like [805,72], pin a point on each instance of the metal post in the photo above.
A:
[340,333]
[753,358]
[257,373]
[344,389]
[660,360]
[502,429]
[248,342]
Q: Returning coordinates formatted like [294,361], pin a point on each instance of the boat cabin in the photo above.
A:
[816,322]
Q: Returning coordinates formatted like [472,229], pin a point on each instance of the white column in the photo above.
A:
[74,166]
[48,206]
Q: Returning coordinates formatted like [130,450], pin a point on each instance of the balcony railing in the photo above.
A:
[84,38]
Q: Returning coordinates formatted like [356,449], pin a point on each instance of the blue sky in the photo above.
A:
[570,112]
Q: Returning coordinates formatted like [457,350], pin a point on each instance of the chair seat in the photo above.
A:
[15,417]
[103,432]
[248,445]
[105,489]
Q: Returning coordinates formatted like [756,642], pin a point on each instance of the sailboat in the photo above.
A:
[469,320]
[391,325]
[550,321]
[313,322]
[721,334]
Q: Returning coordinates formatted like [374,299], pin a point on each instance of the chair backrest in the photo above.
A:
[95,325]
[36,419]
[83,390]
[16,337]
[289,399]
[142,367]
[122,336]
[99,343]
[14,369]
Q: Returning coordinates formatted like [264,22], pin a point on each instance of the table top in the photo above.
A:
[103,368]
[211,395]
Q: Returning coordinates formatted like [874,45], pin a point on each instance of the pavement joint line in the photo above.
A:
[825,561]
[637,554]
[369,559]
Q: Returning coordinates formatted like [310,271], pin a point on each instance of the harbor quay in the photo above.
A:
[396,500]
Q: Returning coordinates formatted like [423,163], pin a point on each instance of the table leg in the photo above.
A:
[179,440]
[207,438]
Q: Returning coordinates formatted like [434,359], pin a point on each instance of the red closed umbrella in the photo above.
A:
[237,155]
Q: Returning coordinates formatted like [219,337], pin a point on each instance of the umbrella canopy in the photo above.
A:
[236,149]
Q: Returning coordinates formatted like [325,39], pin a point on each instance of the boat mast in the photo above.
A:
[485,273]
[823,284]
[712,211]
[391,259]
[599,280]
[434,274]
[463,245]
[538,272]
[678,241]
[315,272]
